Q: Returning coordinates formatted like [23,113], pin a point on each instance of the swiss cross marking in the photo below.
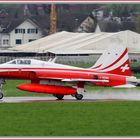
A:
[124,68]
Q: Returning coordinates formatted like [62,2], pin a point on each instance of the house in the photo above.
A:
[20,31]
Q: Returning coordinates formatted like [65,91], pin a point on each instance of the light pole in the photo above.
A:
[76,21]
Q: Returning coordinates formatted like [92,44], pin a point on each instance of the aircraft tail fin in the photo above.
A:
[114,60]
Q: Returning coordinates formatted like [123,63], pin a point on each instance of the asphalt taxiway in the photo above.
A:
[106,95]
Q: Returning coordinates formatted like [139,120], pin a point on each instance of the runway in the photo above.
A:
[105,95]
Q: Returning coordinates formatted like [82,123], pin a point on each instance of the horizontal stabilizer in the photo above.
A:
[125,86]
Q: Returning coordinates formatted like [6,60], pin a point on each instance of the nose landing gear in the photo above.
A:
[1,95]
[2,82]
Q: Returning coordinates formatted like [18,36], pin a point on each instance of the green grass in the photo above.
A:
[71,119]
[82,64]
[135,64]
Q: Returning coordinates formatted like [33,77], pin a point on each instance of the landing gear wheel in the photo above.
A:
[1,95]
[78,96]
[58,96]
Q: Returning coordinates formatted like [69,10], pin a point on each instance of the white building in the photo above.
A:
[83,46]
[19,33]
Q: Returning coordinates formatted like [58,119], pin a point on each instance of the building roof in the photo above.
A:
[67,21]
[9,25]
[80,43]
[113,26]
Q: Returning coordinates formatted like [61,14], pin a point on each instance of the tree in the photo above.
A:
[138,24]
[123,10]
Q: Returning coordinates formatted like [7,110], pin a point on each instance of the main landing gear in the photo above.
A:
[58,96]
[2,82]
[77,96]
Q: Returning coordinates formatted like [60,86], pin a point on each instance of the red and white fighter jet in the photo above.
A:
[111,69]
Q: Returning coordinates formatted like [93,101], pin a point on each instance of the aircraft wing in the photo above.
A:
[84,80]
[54,77]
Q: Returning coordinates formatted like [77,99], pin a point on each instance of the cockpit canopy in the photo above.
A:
[21,61]
[34,63]
[28,62]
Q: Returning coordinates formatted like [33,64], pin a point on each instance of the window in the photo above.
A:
[16,30]
[36,31]
[27,62]
[20,31]
[5,42]
[32,31]
[18,41]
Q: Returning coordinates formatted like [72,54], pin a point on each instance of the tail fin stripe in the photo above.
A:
[96,66]
[114,60]
[117,65]
[123,54]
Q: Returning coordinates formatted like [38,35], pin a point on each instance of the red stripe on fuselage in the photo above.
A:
[43,69]
[32,73]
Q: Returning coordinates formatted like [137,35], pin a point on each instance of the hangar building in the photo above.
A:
[73,47]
